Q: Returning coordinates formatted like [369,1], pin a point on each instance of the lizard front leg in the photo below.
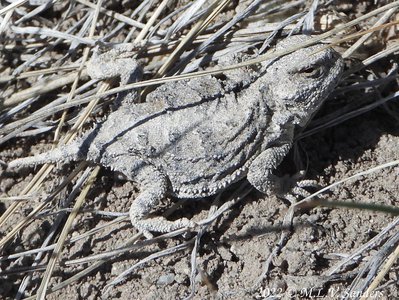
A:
[260,175]
[260,172]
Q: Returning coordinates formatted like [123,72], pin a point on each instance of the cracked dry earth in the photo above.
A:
[233,254]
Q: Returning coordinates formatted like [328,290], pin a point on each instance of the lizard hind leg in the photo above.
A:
[153,185]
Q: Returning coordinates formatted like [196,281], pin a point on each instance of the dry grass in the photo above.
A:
[47,95]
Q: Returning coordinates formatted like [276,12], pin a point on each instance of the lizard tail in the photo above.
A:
[64,153]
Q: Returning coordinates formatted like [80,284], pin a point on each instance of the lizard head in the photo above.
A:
[299,82]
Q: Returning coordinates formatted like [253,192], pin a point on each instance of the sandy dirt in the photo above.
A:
[236,249]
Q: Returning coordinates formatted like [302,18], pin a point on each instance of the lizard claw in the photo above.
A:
[294,189]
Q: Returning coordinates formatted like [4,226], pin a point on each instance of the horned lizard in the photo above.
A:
[194,138]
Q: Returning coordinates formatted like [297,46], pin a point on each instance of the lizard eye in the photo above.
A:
[312,72]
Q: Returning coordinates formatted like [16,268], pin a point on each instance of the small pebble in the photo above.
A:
[166,279]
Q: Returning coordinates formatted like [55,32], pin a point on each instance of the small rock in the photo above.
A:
[166,279]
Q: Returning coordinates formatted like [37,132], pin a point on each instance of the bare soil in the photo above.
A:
[237,249]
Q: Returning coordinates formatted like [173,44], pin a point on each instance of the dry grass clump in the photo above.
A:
[47,98]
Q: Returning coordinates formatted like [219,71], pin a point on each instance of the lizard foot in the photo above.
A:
[159,224]
[293,188]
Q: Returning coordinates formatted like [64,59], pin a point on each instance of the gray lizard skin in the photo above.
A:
[194,138]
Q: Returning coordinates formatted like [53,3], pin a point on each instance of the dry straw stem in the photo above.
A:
[339,118]
[32,187]
[305,202]
[53,33]
[70,241]
[85,100]
[32,214]
[380,277]
[157,81]
[362,280]
[151,21]
[115,15]
[46,169]
[12,6]
[365,37]
[41,293]
[5,21]
[201,24]
[42,88]
[375,241]
[13,47]
[40,72]
[350,204]
[18,198]
[309,202]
